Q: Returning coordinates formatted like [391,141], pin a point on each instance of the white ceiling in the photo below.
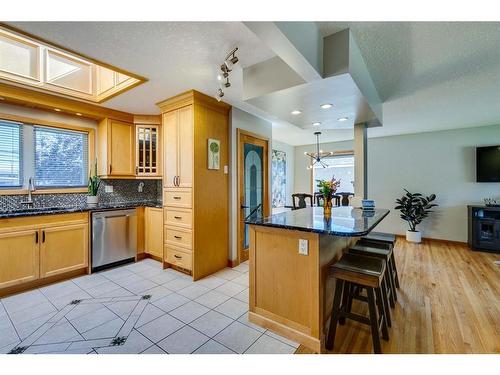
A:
[431,76]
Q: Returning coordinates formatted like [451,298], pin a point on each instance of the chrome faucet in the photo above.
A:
[31,188]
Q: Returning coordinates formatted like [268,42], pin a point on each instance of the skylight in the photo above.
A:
[33,63]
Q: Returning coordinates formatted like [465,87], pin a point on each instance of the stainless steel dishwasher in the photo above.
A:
[114,238]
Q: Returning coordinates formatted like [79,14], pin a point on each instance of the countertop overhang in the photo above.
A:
[344,221]
[38,211]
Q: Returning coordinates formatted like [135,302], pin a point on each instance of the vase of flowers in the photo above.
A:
[328,188]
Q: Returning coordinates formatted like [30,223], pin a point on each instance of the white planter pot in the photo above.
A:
[92,199]
[415,237]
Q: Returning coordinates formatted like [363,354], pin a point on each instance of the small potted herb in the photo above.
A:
[93,187]
[414,208]
[328,188]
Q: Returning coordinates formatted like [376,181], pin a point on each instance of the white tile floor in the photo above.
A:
[137,308]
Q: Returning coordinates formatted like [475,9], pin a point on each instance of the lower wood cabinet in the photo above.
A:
[179,257]
[37,247]
[19,257]
[63,248]
[154,232]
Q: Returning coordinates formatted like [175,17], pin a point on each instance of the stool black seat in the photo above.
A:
[369,242]
[381,237]
[352,272]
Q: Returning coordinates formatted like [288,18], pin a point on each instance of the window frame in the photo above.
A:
[31,149]
[335,153]
[21,155]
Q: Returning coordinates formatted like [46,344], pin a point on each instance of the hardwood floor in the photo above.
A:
[449,302]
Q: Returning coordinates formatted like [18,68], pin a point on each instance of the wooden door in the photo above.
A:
[253,185]
[154,231]
[63,248]
[121,149]
[19,257]
[186,147]
[170,140]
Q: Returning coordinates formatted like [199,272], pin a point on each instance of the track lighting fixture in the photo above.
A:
[225,70]
[231,56]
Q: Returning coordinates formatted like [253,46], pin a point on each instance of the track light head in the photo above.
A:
[234,60]
[227,84]
[220,93]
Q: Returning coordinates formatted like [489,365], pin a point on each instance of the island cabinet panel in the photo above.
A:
[154,232]
[195,198]
[19,256]
[63,248]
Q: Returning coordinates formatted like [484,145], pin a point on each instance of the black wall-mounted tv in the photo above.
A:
[488,164]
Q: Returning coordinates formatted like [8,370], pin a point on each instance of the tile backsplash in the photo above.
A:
[123,191]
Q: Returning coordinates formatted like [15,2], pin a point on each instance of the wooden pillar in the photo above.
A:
[360,162]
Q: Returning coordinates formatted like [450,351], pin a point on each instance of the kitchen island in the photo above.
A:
[290,255]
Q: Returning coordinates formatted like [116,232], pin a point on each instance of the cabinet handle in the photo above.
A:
[177,217]
[178,237]
[178,181]
[173,180]
[36,237]
[178,256]
[177,198]
[136,170]
[110,169]
[43,236]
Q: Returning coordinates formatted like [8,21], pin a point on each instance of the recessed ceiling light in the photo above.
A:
[326,106]
[57,110]
[316,123]
[296,112]
[78,114]
[342,119]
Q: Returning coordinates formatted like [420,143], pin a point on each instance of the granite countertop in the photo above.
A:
[344,221]
[83,208]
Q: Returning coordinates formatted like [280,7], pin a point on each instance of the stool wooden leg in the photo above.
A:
[335,314]
[392,281]
[346,292]
[396,278]
[372,308]
[385,300]
[387,281]
[381,311]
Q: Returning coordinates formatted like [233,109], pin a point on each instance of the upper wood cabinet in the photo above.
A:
[147,146]
[178,143]
[116,145]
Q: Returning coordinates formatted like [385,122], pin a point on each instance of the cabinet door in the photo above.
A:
[186,149]
[122,149]
[154,232]
[146,153]
[170,138]
[63,248]
[19,256]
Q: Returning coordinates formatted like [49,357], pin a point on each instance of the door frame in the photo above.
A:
[240,133]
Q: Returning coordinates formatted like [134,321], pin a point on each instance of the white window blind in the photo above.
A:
[10,154]
[61,157]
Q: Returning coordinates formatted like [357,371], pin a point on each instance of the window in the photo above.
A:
[340,166]
[10,154]
[61,157]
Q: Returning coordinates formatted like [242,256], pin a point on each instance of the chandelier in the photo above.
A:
[318,155]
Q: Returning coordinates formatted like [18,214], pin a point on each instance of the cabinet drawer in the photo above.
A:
[177,198]
[179,218]
[178,237]
[178,257]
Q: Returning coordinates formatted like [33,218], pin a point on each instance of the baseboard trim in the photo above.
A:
[430,239]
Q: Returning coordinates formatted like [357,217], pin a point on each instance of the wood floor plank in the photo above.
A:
[449,302]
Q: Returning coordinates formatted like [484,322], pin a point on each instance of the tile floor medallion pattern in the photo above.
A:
[137,308]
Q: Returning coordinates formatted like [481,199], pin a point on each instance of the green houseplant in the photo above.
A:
[93,186]
[414,208]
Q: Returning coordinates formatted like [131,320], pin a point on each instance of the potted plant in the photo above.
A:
[414,208]
[93,187]
[328,188]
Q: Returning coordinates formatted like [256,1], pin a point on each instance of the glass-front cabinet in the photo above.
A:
[147,153]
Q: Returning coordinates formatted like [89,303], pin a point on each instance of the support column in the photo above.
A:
[360,164]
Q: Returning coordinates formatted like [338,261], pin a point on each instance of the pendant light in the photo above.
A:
[318,155]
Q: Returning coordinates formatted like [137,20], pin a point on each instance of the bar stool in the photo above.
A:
[383,241]
[382,251]
[354,272]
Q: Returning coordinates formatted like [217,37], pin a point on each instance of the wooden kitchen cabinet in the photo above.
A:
[178,144]
[148,160]
[154,232]
[37,247]
[63,248]
[116,146]
[19,257]
[195,198]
